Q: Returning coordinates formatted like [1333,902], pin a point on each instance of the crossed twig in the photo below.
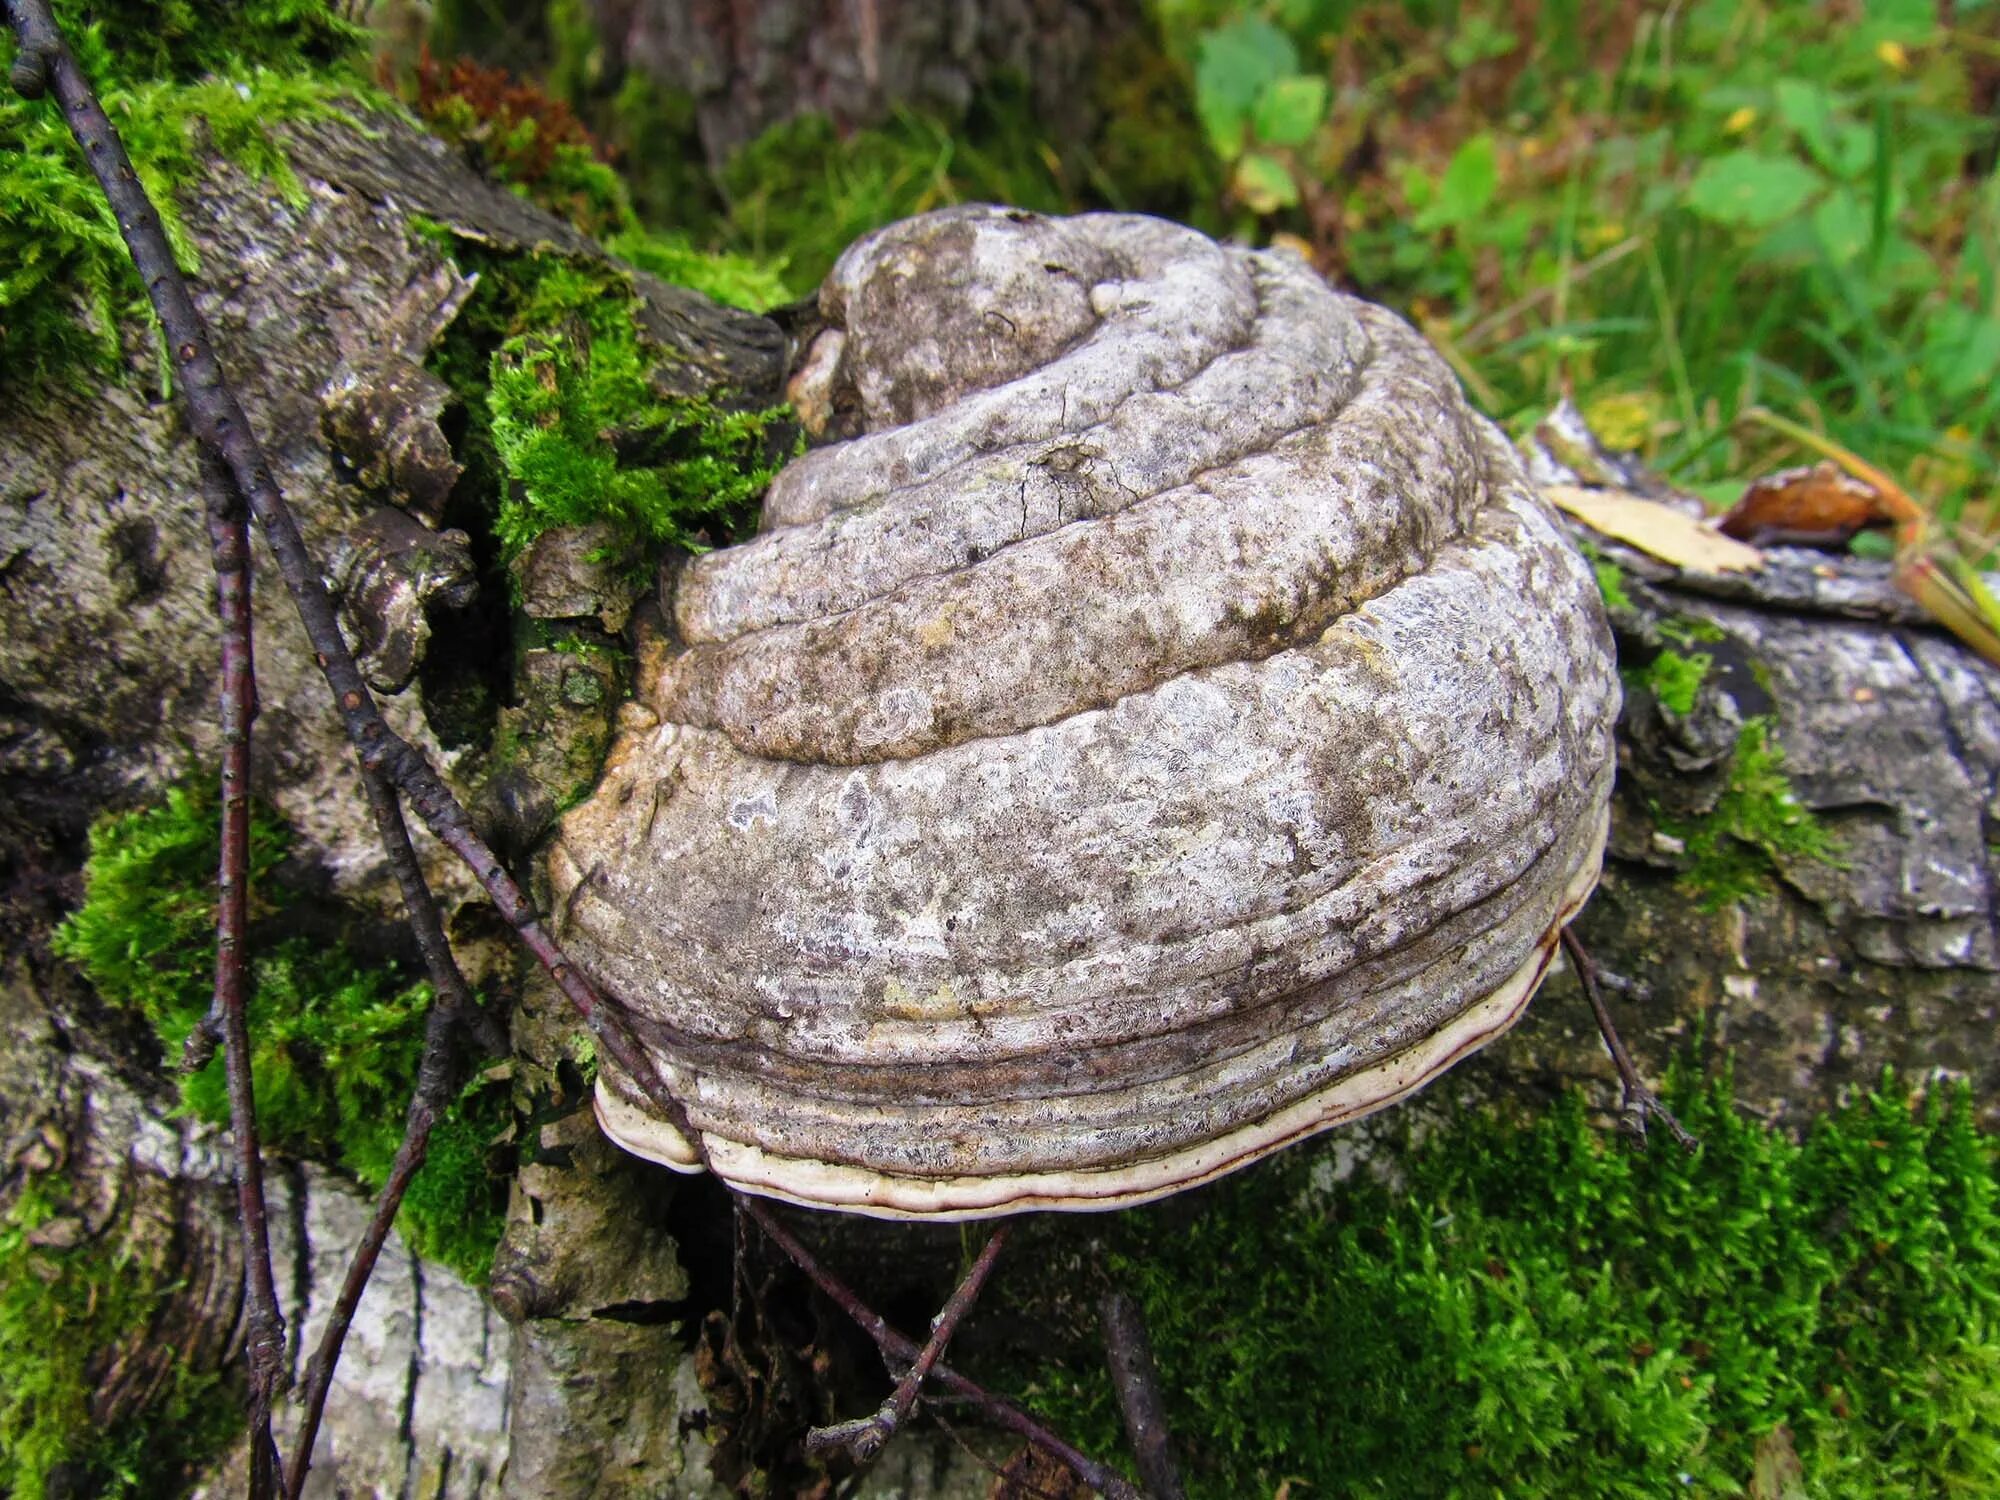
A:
[237,482]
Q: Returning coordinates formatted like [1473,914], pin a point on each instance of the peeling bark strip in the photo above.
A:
[1167,726]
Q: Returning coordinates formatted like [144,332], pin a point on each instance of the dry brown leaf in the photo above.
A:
[1817,505]
[1656,529]
[1032,1475]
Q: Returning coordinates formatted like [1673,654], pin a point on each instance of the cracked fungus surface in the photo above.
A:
[1164,723]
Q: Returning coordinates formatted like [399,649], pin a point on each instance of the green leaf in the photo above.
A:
[1233,65]
[1289,110]
[1843,224]
[1962,347]
[1752,190]
[1265,184]
[1479,39]
[1844,147]
[1467,187]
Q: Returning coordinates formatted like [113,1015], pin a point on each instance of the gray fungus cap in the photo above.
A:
[1165,725]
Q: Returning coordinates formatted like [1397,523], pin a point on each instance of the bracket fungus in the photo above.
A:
[1165,726]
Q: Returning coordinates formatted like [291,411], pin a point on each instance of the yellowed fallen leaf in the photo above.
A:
[1656,529]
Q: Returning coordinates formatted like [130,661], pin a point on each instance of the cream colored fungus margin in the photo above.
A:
[818,1184]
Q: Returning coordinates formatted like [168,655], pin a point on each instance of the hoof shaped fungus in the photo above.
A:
[1170,727]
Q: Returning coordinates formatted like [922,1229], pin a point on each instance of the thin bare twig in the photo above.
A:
[865,1436]
[426,925]
[1137,1380]
[434,1079]
[454,1012]
[224,431]
[1639,1103]
[264,1337]
[898,1349]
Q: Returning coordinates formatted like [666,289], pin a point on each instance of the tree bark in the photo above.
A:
[419,1405]
[750,66]
[1881,956]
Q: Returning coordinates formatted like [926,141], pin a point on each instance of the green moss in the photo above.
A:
[60,1312]
[1610,579]
[565,427]
[1537,1311]
[184,40]
[1756,827]
[564,406]
[1682,630]
[1675,679]
[1611,584]
[735,280]
[582,436]
[335,1039]
[176,79]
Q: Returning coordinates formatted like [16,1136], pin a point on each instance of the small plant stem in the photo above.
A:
[1137,1380]
[897,1349]
[264,1337]
[865,1437]
[1639,1103]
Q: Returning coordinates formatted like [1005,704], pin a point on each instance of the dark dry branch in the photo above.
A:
[1639,1103]
[264,1338]
[435,1076]
[1136,1378]
[426,924]
[865,1436]
[224,431]
[897,1349]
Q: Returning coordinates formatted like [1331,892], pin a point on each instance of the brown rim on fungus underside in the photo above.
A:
[1164,724]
